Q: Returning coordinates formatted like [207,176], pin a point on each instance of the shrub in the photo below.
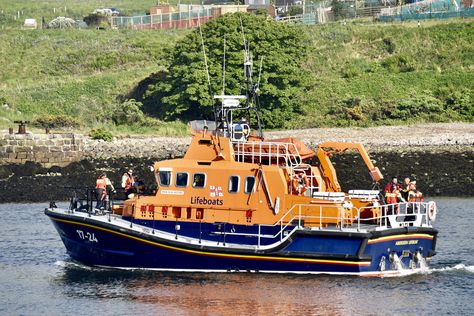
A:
[389,45]
[97,20]
[399,63]
[101,133]
[417,106]
[129,113]
[56,121]
[183,93]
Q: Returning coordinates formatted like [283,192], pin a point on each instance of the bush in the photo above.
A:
[399,63]
[417,106]
[56,121]
[97,20]
[101,133]
[129,113]
[389,45]
[183,92]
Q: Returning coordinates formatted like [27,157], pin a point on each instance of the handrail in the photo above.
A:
[261,150]
[416,210]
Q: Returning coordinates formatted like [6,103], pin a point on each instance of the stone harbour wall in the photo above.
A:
[46,149]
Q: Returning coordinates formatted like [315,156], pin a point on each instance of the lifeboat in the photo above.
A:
[239,202]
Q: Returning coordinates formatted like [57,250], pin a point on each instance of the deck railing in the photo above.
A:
[389,216]
[268,153]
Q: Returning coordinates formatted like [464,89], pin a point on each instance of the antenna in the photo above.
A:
[247,63]
[259,75]
[223,71]
[205,59]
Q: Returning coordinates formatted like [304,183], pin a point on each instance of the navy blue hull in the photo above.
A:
[99,243]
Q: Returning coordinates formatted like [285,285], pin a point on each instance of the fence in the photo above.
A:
[400,15]
[383,10]
[180,19]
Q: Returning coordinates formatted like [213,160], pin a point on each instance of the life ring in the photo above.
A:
[300,185]
[432,211]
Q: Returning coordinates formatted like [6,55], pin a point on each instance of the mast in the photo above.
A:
[224,112]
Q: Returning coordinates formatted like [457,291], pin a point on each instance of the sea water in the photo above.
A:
[37,277]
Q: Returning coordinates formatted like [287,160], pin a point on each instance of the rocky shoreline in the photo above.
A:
[439,156]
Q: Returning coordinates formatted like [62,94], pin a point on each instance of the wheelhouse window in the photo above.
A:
[181,179]
[199,180]
[249,184]
[164,177]
[234,184]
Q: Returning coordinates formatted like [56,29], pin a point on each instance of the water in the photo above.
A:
[37,277]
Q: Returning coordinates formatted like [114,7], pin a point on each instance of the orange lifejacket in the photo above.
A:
[415,196]
[101,183]
[391,193]
[129,182]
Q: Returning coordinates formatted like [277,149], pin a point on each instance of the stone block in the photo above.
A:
[23,148]
[10,149]
[39,155]
[40,149]
[21,155]
[28,142]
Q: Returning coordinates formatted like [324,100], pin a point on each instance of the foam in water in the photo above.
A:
[397,263]
[458,267]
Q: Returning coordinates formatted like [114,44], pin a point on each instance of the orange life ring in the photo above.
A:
[300,185]
[432,210]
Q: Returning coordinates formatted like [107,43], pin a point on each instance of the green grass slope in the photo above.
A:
[364,73]
[369,74]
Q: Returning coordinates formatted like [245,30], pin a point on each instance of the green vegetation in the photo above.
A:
[369,74]
[101,133]
[84,74]
[361,73]
[183,91]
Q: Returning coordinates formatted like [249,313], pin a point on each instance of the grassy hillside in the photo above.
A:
[364,73]
[375,73]
[79,73]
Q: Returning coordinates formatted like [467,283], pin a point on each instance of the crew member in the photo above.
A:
[128,182]
[392,194]
[413,194]
[300,183]
[101,190]
[405,188]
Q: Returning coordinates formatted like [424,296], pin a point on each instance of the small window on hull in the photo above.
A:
[233,184]
[181,179]
[199,180]
[249,184]
[165,178]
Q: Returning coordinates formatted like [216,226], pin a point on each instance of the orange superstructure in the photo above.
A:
[210,184]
